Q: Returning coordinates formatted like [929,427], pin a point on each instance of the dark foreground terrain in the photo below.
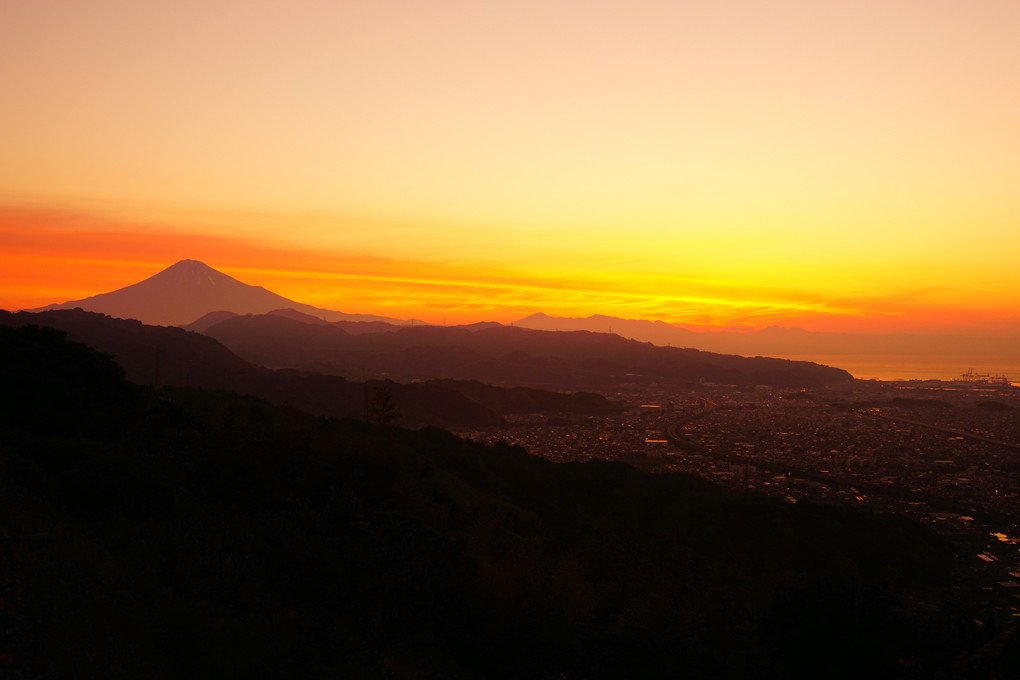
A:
[163,533]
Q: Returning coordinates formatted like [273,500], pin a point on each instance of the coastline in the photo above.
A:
[915,367]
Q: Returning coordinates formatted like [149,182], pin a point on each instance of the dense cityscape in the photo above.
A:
[946,453]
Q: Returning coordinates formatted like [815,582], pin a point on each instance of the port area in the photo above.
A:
[944,452]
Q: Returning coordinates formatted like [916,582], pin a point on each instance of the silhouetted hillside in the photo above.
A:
[353,327]
[158,355]
[529,400]
[501,355]
[201,324]
[199,534]
[55,386]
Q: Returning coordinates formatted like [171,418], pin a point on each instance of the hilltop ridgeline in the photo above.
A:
[502,355]
[157,355]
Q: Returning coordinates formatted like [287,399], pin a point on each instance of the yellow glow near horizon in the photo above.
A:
[734,163]
[432,291]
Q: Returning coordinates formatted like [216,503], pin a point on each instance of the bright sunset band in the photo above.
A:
[738,164]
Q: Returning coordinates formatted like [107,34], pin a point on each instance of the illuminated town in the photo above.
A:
[945,452]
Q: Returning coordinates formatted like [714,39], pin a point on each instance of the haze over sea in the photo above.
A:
[916,367]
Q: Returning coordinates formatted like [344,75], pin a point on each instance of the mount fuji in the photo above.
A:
[190,289]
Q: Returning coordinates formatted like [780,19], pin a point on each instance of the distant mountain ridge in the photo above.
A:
[192,295]
[354,327]
[774,340]
[655,332]
[501,355]
[188,290]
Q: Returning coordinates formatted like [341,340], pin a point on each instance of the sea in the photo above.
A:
[916,366]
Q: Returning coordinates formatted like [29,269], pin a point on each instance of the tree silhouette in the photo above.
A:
[382,410]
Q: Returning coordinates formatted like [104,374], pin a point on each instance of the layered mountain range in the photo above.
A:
[268,330]
[196,296]
[502,355]
[158,355]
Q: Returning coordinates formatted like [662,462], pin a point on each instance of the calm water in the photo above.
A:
[919,367]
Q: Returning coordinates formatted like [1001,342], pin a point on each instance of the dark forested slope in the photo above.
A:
[180,533]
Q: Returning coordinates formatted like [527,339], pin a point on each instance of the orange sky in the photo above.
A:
[837,166]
